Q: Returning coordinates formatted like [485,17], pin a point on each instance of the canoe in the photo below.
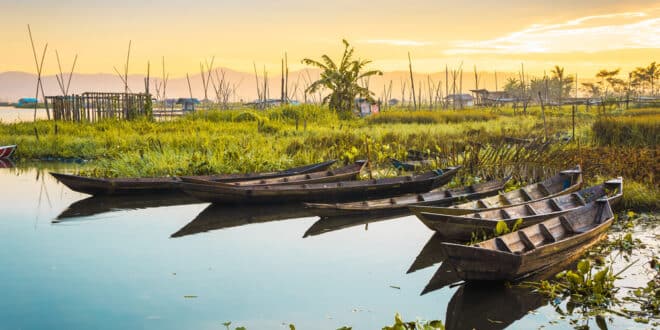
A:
[123,186]
[528,250]
[346,173]
[434,197]
[562,183]
[7,151]
[321,192]
[216,217]
[464,227]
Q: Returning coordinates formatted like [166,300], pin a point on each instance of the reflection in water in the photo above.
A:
[6,163]
[217,216]
[328,224]
[430,255]
[102,204]
[485,306]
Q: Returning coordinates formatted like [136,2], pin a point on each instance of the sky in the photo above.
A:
[582,36]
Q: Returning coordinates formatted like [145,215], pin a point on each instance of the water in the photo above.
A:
[69,262]
[12,115]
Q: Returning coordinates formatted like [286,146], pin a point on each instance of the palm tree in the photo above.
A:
[564,82]
[341,79]
[609,78]
[649,73]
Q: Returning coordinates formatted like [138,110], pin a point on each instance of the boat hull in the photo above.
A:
[7,151]
[325,192]
[128,186]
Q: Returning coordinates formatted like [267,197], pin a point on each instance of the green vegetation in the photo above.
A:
[231,141]
[635,131]
[342,79]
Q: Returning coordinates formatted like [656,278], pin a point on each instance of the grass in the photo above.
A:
[635,129]
[248,140]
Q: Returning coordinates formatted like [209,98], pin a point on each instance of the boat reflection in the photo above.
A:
[333,223]
[490,307]
[217,216]
[6,163]
[430,255]
[102,204]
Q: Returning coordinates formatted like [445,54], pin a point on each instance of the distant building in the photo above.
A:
[271,103]
[466,100]
[188,104]
[366,108]
[27,101]
[486,97]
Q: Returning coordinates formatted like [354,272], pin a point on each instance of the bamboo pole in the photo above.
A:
[412,82]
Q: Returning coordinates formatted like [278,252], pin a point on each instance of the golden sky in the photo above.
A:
[583,36]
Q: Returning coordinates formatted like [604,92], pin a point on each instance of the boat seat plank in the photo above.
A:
[392,200]
[504,214]
[525,194]
[555,206]
[477,216]
[580,199]
[569,227]
[530,210]
[544,189]
[501,245]
[482,204]
[420,198]
[526,241]
[547,234]
[448,193]
[505,200]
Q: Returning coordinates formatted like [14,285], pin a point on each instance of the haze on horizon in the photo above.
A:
[583,36]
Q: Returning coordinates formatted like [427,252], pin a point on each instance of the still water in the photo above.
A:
[13,115]
[72,262]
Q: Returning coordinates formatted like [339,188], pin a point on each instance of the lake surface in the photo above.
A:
[12,115]
[69,262]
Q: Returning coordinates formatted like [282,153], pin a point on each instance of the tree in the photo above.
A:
[609,77]
[647,74]
[562,84]
[342,80]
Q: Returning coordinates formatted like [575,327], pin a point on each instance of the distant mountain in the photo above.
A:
[15,85]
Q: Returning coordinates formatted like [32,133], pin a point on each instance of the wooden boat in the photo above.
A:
[434,197]
[321,192]
[528,250]
[122,186]
[94,205]
[7,151]
[463,227]
[346,173]
[216,217]
[562,183]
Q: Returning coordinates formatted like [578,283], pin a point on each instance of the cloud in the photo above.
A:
[391,42]
[616,31]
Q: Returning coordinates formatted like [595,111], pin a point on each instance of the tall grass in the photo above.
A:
[641,130]
[430,117]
